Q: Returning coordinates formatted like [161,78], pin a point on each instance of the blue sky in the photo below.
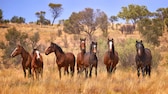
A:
[28,8]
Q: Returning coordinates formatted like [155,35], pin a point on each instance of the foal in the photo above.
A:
[37,64]
[26,58]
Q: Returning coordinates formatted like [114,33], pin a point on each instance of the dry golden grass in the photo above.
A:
[122,81]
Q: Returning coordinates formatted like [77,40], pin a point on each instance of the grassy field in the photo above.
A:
[123,81]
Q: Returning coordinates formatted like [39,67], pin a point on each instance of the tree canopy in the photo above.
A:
[56,10]
[134,13]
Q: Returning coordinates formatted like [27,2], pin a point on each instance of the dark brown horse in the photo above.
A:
[90,59]
[80,55]
[111,57]
[63,59]
[26,58]
[143,59]
[37,64]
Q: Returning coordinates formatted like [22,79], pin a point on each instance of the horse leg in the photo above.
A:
[138,73]
[86,72]
[78,68]
[29,69]
[143,71]
[24,70]
[90,74]
[72,70]
[59,69]
[96,71]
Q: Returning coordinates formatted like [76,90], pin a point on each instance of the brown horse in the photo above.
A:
[143,59]
[90,59]
[37,64]
[111,57]
[63,59]
[81,54]
[26,61]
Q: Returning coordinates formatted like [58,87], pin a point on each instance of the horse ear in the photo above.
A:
[136,41]
[141,41]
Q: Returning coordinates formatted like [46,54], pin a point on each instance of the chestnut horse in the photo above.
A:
[90,59]
[81,54]
[111,57]
[143,59]
[63,59]
[37,64]
[26,58]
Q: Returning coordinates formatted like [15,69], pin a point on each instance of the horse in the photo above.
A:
[90,60]
[111,57]
[63,59]
[37,64]
[143,59]
[26,58]
[80,55]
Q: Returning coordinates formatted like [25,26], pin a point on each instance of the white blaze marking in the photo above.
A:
[110,43]
[38,54]
[14,51]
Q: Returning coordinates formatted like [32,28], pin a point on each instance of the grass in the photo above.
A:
[123,81]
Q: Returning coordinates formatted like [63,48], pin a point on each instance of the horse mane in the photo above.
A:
[58,47]
[113,48]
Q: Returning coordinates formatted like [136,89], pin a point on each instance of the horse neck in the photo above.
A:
[112,53]
[83,51]
[24,53]
[59,54]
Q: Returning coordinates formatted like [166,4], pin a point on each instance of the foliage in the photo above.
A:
[85,21]
[1,15]
[151,29]
[113,19]
[16,19]
[41,16]
[127,52]
[56,10]
[13,37]
[134,13]
[103,19]
[34,39]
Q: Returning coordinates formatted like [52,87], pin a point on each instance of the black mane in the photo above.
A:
[57,47]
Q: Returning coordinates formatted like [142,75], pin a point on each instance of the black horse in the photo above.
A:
[143,59]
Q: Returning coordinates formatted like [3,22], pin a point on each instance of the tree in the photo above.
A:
[113,19]
[103,19]
[56,10]
[86,21]
[34,39]
[151,29]
[1,15]
[13,37]
[162,13]
[41,16]
[134,13]
[16,19]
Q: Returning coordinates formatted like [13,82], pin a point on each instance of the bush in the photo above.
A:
[126,51]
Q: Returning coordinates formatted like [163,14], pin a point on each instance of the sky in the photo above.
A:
[28,8]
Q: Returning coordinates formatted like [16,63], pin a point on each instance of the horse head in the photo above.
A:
[50,49]
[110,43]
[82,44]
[139,48]
[93,47]
[36,53]
[16,51]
